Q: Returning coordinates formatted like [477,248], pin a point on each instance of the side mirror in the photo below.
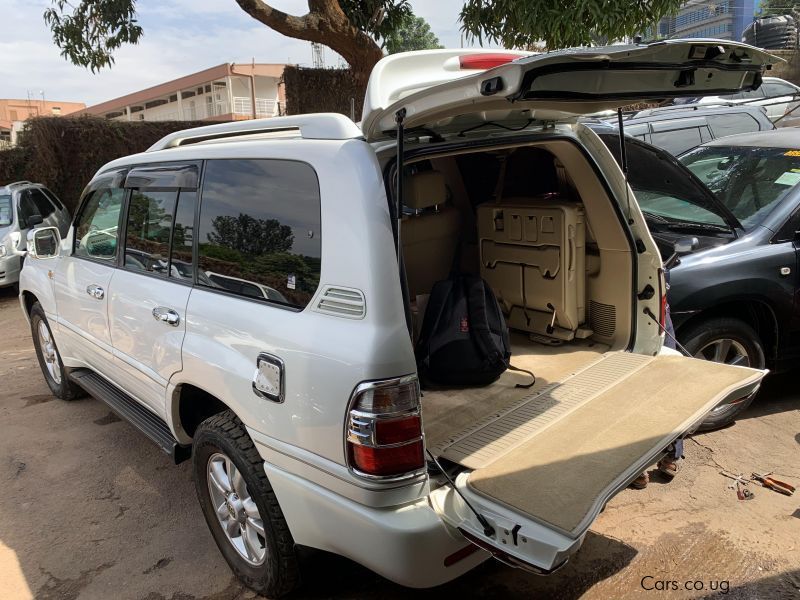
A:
[686,245]
[33,221]
[44,243]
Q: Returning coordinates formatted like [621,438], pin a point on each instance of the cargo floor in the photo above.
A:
[558,454]
[449,411]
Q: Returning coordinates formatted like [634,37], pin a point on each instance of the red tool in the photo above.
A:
[774,484]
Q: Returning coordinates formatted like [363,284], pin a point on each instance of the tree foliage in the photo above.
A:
[251,236]
[523,23]
[90,31]
[413,34]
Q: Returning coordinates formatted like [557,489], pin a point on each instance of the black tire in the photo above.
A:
[63,389]
[225,434]
[704,335]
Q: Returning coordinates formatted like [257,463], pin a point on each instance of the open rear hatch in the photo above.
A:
[552,86]
[541,470]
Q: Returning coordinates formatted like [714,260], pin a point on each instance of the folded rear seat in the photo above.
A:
[532,252]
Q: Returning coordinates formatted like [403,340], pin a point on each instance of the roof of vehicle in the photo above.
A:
[785,137]
[696,110]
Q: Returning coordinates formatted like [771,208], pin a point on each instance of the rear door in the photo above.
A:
[553,86]
[151,287]
[540,471]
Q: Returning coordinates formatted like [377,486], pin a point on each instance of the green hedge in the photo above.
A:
[65,152]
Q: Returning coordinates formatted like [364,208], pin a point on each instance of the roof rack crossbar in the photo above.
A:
[320,126]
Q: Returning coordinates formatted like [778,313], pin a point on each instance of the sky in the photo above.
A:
[180,37]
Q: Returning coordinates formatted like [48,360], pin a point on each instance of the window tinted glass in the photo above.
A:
[183,237]
[97,228]
[26,208]
[148,231]
[750,181]
[6,216]
[52,197]
[44,207]
[260,229]
[778,89]
[730,124]
[677,141]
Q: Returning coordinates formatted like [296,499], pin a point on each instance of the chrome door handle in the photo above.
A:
[166,315]
[95,291]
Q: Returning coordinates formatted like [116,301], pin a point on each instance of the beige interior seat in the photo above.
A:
[431,235]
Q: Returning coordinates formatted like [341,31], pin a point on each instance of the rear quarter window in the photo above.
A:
[260,230]
[730,124]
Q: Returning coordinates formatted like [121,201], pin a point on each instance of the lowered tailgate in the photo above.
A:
[541,470]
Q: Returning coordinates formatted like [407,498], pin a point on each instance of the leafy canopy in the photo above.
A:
[523,23]
[413,34]
[89,31]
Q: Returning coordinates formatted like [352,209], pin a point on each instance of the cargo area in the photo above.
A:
[536,224]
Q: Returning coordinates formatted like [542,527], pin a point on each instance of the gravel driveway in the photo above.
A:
[90,509]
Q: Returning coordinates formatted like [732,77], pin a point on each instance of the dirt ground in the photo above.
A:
[90,509]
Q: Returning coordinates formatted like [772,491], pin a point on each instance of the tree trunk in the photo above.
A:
[326,24]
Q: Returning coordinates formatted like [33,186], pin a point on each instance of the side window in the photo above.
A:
[43,206]
[97,226]
[25,208]
[773,89]
[53,198]
[788,232]
[183,237]
[148,230]
[677,141]
[259,233]
[731,124]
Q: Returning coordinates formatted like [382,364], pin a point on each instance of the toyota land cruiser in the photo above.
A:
[301,409]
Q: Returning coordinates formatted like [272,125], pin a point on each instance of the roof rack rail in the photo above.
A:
[20,182]
[319,126]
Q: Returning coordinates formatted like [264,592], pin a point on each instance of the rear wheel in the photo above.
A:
[240,507]
[728,341]
[50,359]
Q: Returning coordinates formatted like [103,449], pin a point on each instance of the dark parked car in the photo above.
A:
[735,298]
[677,129]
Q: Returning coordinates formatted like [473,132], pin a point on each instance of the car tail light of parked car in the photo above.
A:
[384,429]
[485,61]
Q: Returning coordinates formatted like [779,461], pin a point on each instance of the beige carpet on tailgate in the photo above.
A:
[562,473]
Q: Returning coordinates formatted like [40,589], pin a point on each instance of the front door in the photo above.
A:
[82,278]
[150,290]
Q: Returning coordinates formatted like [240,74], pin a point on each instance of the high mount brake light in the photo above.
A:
[384,430]
[485,61]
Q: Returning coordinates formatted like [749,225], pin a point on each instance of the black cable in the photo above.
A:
[488,530]
[678,345]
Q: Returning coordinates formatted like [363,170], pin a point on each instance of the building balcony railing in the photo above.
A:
[265,107]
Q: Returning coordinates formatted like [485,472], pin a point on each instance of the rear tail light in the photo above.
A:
[384,429]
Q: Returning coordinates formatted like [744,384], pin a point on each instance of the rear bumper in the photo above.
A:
[406,544]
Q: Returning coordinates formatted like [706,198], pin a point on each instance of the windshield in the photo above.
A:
[6,214]
[750,181]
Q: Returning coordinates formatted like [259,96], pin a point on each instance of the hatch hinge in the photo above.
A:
[647,293]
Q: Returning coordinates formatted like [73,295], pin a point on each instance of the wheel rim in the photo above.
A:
[729,352]
[235,509]
[49,353]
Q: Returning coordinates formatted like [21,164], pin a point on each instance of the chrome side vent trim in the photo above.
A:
[342,302]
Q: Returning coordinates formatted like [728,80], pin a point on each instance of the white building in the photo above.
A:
[227,92]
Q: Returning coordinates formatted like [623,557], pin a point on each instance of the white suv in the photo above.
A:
[302,412]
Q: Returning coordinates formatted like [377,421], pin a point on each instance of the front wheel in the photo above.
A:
[241,509]
[50,359]
[728,341]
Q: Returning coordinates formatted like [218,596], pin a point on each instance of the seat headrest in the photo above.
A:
[424,189]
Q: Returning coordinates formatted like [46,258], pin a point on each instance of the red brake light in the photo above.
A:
[385,462]
[384,429]
[485,61]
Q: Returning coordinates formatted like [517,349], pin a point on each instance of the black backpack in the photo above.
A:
[464,338]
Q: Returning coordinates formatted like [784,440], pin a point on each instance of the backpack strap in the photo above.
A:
[518,370]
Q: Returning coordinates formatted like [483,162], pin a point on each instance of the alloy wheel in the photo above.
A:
[236,510]
[49,353]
